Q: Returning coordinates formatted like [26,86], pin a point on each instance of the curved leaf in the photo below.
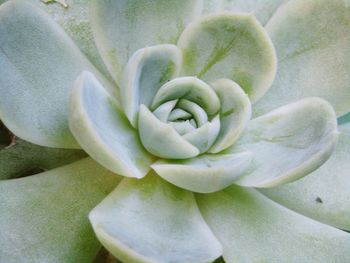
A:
[124,26]
[323,195]
[312,40]
[199,115]
[147,70]
[190,88]
[149,220]
[103,131]
[44,217]
[39,64]
[253,228]
[235,112]
[204,136]
[233,46]
[262,9]
[74,19]
[161,139]
[288,143]
[164,111]
[206,173]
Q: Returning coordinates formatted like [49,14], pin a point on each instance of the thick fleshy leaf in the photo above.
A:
[147,70]
[39,64]
[262,9]
[199,115]
[124,26]
[21,158]
[253,228]
[235,112]
[233,46]
[103,131]
[323,195]
[44,218]
[206,173]
[312,40]
[161,139]
[179,114]
[288,143]
[163,111]
[204,136]
[74,19]
[190,88]
[183,127]
[150,220]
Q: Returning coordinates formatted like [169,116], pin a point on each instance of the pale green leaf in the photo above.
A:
[324,194]
[262,9]
[44,218]
[233,46]
[206,173]
[312,41]
[182,128]
[161,139]
[103,131]
[203,137]
[164,111]
[74,19]
[179,114]
[124,26]
[288,143]
[190,88]
[197,112]
[253,228]
[150,220]
[146,71]
[39,64]
[235,112]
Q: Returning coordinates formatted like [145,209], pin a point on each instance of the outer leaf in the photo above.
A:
[147,70]
[288,143]
[233,46]
[22,157]
[323,195]
[235,112]
[206,173]
[103,131]
[161,139]
[262,9]
[75,21]
[150,220]
[253,228]
[44,217]
[124,26]
[39,64]
[312,40]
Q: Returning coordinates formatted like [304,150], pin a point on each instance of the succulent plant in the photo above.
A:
[200,119]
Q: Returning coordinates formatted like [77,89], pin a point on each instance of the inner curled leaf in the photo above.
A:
[184,116]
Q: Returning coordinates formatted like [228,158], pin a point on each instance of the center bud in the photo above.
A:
[182,121]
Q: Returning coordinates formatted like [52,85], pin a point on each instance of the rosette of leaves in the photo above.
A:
[185,109]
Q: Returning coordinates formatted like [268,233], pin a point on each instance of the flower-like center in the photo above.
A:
[183,120]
